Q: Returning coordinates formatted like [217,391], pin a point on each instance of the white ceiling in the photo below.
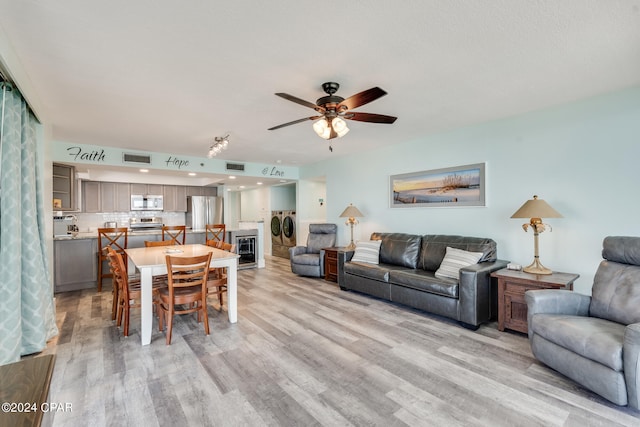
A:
[169,76]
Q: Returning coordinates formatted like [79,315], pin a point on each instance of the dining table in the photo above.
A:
[152,261]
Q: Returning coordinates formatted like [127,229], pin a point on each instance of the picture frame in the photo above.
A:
[458,186]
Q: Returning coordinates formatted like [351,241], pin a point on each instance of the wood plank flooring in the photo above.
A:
[305,353]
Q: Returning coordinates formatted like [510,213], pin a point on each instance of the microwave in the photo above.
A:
[146,203]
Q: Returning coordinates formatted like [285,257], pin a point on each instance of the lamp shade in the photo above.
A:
[351,212]
[536,208]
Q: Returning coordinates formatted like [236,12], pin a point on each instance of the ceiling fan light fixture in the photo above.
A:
[340,126]
[322,129]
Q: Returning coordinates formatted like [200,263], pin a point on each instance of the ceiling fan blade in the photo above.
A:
[300,101]
[362,98]
[368,117]
[295,121]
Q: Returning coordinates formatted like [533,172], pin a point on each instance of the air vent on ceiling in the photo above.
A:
[235,167]
[136,158]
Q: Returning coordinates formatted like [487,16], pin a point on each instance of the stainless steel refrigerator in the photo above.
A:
[203,210]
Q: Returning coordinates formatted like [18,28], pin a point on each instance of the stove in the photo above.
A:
[145,224]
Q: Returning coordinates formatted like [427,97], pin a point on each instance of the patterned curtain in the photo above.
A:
[27,312]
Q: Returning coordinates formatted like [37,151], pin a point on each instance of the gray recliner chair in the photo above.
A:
[595,340]
[309,260]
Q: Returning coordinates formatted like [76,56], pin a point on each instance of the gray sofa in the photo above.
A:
[595,340]
[406,275]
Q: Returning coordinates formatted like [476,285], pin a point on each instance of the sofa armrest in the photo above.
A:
[555,301]
[631,358]
[297,250]
[475,292]
[343,256]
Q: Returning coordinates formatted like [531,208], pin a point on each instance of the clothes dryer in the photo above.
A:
[289,228]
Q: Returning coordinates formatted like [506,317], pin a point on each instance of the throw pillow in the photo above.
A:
[367,251]
[454,260]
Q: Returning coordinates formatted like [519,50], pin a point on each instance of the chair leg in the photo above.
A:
[116,295]
[119,313]
[203,308]
[169,324]
[99,273]
[126,320]
[220,297]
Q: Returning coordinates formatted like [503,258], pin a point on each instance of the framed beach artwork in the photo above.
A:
[454,186]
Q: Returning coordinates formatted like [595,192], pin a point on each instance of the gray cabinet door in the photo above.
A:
[123,197]
[75,264]
[107,197]
[91,196]
[63,187]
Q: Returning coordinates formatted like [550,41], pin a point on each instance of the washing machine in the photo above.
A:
[277,246]
[276,227]
[289,228]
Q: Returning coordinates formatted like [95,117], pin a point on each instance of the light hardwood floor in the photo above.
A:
[305,353]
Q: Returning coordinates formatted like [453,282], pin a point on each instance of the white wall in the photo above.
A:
[582,158]
[309,210]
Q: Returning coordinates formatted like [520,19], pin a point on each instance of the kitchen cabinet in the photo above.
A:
[90,196]
[75,264]
[114,197]
[201,191]
[175,198]
[63,194]
[195,238]
[105,197]
[146,189]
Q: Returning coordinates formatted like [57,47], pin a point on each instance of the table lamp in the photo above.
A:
[351,212]
[536,209]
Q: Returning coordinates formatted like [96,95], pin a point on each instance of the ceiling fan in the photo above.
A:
[332,109]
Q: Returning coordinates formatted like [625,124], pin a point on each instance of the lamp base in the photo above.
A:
[536,268]
[351,246]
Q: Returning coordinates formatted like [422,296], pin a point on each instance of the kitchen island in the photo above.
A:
[75,257]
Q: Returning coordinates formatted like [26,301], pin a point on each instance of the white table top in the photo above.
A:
[157,255]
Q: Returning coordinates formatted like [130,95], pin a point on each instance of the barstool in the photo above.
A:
[214,234]
[115,238]
[176,233]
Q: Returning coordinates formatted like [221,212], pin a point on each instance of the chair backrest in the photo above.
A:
[616,286]
[215,233]
[227,247]
[188,271]
[119,271]
[321,236]
[152,243]
[177,233]
[115,238]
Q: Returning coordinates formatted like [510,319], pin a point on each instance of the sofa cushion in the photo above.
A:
[399,248]
[454,260]
[306,259]
[616,286]
[367,251]
[434,248]
[424,281]
[321,236]
[596,339]
[370,271]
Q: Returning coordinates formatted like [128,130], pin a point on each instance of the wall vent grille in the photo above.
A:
[136,158]
[235,167]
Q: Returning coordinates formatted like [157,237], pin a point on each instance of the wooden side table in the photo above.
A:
[331,263]
[512,284]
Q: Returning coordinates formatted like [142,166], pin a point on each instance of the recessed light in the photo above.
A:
[144,170]
[283,180]
[192,174]
[232,177]
[259,183]
[242,186]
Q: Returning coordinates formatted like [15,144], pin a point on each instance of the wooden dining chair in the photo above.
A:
[115,238]
[186,291]
[177,233]
[129,291]
[214,233]
[152,243]
[217,280]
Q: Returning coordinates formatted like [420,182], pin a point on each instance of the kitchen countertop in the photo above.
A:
[94,234]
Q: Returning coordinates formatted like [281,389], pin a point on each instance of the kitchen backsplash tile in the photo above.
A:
[93,221]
